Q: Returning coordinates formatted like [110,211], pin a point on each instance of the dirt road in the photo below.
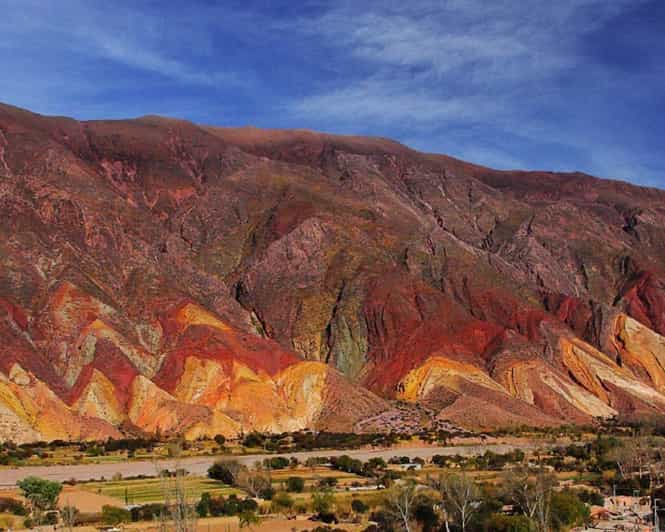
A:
[200,465]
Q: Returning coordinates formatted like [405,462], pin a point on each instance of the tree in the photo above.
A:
[460,496]
[359,506]
[531,490]
[225,471]
[400,499]
[254,482]
[568,511]
[203,506]
[424,513]
[41,493]
[220,440]
[295,484]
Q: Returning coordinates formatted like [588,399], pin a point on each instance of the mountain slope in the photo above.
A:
[159,275]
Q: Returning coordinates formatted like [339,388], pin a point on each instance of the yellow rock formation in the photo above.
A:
[41,411]
[441,371]
[98,399]
[641,349]
[584,361]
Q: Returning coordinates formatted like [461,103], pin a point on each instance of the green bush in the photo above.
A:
[295,484]
[509,523]
[148,512]
[359,506]
[568,510]
[282,501]
[112,515]
[224,471]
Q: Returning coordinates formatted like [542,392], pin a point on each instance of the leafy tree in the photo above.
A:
[254,439]
[424,514]
[203,506]
[220,440]
[295,484]
[224,471]
[568,510]
[359,506]
[276,462]
[42,494]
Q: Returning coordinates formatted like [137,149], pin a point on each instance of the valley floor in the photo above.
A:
[200,465]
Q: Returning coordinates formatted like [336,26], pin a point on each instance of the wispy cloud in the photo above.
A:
[375,101]
[452,54]
[166,44]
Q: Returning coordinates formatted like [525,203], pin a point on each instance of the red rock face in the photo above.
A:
[158,275]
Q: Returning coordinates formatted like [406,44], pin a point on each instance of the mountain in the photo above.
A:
[157,275]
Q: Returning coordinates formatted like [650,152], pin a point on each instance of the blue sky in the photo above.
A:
[537,84]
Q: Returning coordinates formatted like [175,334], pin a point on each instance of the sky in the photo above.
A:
[570,85]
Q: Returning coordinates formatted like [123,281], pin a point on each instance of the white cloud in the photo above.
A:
[125,34]
[387,101]
[448,59]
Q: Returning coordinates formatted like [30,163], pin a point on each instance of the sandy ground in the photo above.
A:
[223,524]
[85,501]
[200,465]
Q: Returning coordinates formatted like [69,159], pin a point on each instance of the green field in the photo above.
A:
[153,489]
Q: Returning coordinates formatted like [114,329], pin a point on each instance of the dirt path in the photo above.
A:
[200,465]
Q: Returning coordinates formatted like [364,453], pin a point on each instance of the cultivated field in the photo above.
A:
[147,490]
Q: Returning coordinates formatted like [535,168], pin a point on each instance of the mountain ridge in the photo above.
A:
[158,275]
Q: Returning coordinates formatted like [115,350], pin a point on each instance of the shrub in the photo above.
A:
[112,515]
[282,501]
[322,502]
[295,484]
[509,523]
[276,462]
[148,512]
[12,506]
[359,506]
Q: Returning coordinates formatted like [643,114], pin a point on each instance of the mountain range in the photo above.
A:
[158,276]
